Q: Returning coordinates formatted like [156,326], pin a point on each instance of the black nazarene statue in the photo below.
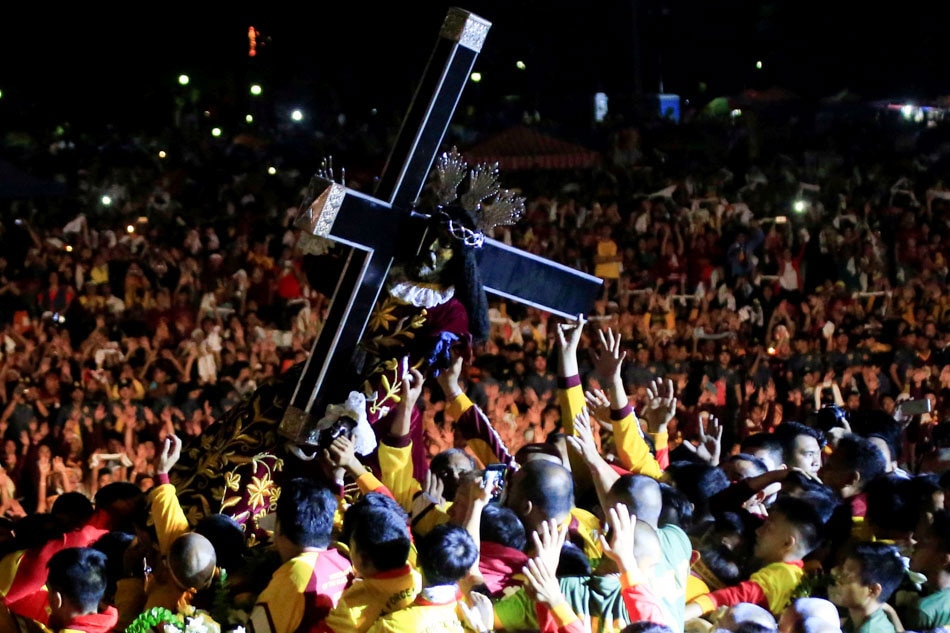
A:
[432,304]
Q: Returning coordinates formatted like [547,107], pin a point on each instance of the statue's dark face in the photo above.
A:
[432,261]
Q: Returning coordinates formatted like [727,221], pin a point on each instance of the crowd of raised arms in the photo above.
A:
[746,433]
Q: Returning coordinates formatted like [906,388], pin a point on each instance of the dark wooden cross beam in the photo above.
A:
[376,229]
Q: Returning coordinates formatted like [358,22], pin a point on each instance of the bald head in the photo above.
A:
[744,612]
[192,561]
[641,495]
[646,546]
[539,491]
[810,615]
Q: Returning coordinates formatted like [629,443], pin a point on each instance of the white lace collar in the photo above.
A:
[422,295]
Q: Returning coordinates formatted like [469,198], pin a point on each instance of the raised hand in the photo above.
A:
[620,547]
[412,381]
[598,403]
[568,338]
[342,454]
[434,489]
[448,379]
[410,390]
[480,616]
[542,582]
[171,452]
[609,357]
[710,440]
[548,540]
[583,439]
[661,405]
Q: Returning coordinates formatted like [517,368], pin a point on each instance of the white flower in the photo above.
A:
[202,623]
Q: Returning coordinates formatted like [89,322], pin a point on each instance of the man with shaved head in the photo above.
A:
[642,497]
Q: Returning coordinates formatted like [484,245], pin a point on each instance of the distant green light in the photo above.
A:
[184,80]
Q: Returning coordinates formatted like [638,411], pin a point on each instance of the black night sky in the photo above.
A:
[121,64]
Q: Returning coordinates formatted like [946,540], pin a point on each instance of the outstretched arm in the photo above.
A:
[632,449]
[471,423]
[582,441]
[570,393]
[395,452]
[167,515]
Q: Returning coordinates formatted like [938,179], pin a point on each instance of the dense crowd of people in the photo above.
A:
[746,432]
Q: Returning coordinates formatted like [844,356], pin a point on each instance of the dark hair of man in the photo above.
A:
[113,545]
[72,509]
[803,516]
[758,463]
[766,442]
[548,486]
[885,428]
[699,482]
[799,482]
[446,554]
[79,574]
[380,535]
[825,502]
[731,523]
[786,432]
[893,506]
[719,561]
[940,528]
[376,500]
[227,538]
[123,517]
[677,508]
[572,562]
[32,530]
[501,525]
[305,512]
[880,564]
[860,454]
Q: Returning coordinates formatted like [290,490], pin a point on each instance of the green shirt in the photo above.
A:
[932,611]
[598,599]
[671,573]
[877,623]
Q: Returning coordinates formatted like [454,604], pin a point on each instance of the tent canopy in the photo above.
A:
[522,147]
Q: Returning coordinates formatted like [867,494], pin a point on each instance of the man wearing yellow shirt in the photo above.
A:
[313,576]
[375,531]
[446,555]
[77,583]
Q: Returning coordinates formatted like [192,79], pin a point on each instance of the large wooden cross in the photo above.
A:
[374,231]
